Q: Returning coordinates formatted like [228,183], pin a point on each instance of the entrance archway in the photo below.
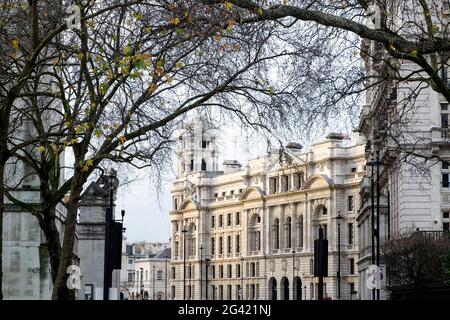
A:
[297,288]
[285,288]
[272,289]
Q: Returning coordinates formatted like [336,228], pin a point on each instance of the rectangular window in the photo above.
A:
[445,165]
[220,245]
[220,292]
[173,276]
[213,272]
[216,195]
[232,192]
[228,219]
[273,185]
[213,222]
[444,120]
[224,194]
[350,203]
[159,275]
[444,106]
[445,215]
[350,233]
[252,269]
[229,244]
[238,243]
[204,144]
[238,271]
[220,221]
[89,292]
[352,265]
[311,266]
[173,292]
[238,218]
[229,292]
[220,272]
[446,226]
[229,271]
[213,246]
[445,180]
[353,170]
[238,292]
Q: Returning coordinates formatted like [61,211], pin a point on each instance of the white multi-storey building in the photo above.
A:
[406,126]
[248,232]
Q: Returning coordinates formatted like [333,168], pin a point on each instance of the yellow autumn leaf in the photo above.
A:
[153,87]
[15,44]
[175,20]
[228,5]
[98,133]
[41,149]
[122,139]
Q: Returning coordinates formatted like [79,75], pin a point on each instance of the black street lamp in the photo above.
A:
[206,284]
[184,261]
[375,232]
[153,282]
[112,183]
[242,278]
[142,284]
[201,272]
[165,282]
[338,273]
[293,274]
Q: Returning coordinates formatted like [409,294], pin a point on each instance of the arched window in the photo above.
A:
[203,165]
[254,232]
[276,234]
[288,228]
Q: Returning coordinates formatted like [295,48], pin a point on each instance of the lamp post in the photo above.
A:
[165,280]
[112,183]
[184,261]
[293,274]
[154,282]
[206,284]
[242,278]
[338,273]
[142,284]
[375,232]
[201,272]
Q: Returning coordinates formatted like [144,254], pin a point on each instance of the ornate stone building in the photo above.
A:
[248,232]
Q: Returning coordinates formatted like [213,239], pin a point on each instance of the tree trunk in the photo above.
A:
[2,210]
[60,289]
[51,233]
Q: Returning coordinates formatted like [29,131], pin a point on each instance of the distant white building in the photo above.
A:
[248,232]
[151,280]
